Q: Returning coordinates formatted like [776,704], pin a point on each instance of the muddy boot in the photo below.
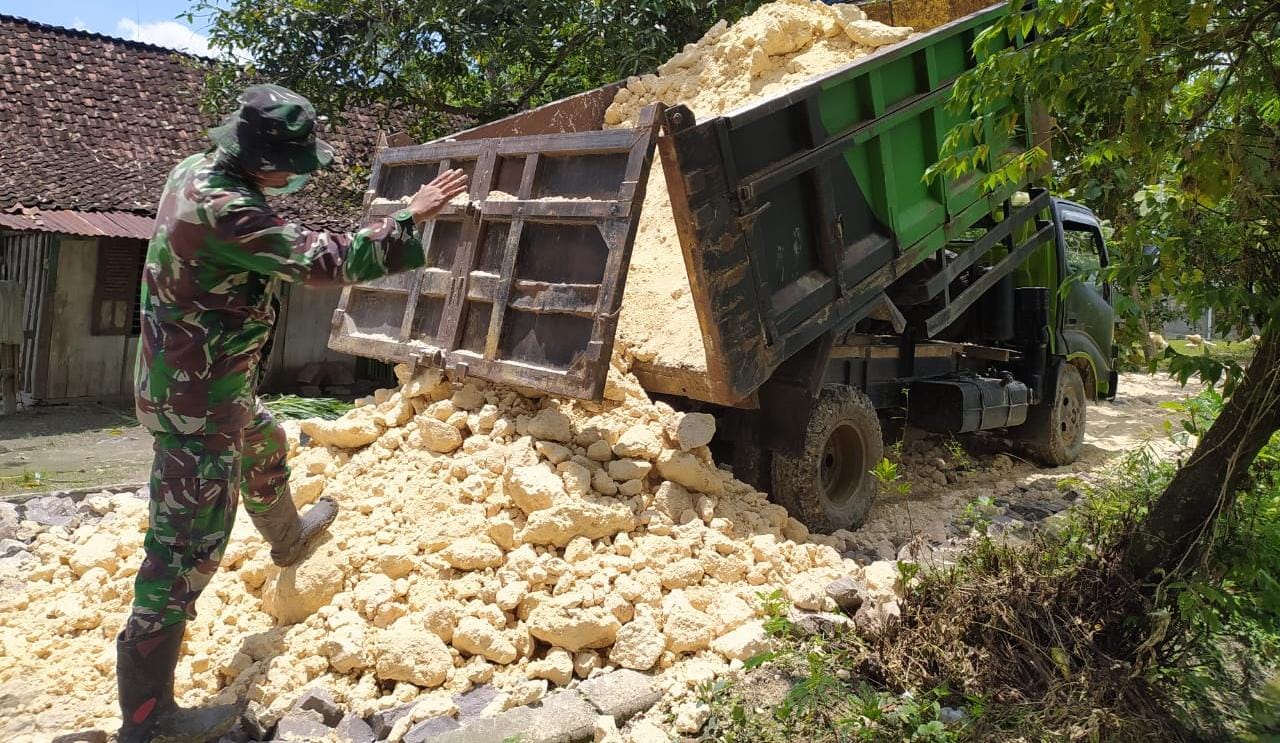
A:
[144,676]
[289,534]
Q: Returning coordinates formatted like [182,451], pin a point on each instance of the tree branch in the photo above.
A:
[561,56]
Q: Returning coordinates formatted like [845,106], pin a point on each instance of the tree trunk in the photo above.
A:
[1170,535]
[1144,326]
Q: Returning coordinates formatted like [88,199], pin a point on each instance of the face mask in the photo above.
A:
[296,182]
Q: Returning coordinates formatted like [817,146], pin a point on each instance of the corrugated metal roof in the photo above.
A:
[87,224]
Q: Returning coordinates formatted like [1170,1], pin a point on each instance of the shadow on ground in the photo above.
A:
[72,446]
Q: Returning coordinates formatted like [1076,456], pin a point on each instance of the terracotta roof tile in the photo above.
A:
[93,123]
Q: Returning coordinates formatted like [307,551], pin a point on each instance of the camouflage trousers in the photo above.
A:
[196,482]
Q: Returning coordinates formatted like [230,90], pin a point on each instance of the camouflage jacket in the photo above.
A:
[213,265]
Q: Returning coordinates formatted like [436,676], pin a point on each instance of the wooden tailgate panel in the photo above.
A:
[523,282]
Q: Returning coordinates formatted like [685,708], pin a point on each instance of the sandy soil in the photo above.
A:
[940,494]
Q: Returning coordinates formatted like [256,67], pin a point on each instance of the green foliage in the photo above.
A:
[292,407]
[1040,642]
[1165,121]
[888,474]
[774,607]
[977,514]
[825,704]
[1207,364]
[1228,615]
[446,61]
[959,455]
[27,479]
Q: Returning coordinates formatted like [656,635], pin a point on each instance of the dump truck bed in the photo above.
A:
[793,215]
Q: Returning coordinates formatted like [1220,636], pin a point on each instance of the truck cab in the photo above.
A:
[1087,319]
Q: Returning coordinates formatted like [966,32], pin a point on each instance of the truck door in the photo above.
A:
[1088,321]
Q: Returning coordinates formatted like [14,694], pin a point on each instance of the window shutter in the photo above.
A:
[115,295]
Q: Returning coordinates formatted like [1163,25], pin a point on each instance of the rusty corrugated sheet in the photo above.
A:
[87,224]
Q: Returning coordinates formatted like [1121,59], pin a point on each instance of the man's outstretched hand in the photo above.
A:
[431,198]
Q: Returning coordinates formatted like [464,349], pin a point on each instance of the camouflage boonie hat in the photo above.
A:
[273,130]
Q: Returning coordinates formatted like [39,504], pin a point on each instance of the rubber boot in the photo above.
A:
[289,534]
[144,677]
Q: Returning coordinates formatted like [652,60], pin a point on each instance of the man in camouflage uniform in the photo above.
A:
[215,262]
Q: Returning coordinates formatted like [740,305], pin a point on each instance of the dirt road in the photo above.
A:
[66,447]
[944,484]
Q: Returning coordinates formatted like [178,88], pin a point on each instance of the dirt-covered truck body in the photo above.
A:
[834,285]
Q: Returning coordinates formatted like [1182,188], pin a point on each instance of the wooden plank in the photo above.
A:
[576,382]
[425,234]
[557,209]
[885,351]
[564,299]
[570,143]
[451,323]
[509,254]
[548,209]
[45,329]
[619,235]
[988,353]
[9,359]
[567,291]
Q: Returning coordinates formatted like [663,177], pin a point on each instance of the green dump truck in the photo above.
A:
[835,287]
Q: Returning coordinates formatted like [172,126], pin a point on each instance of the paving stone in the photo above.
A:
[11,546]
[1034,510]
[563,717]
[517,721]
[430,730]
[352,729]
[9,520]
[848,593]
[253,724]
[84,736]
[51,510]
[622,693]
[383,721]
[320,700]
[819,623]
[472,702]
[302,725]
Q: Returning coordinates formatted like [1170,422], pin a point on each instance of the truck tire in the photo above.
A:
[827,485]
[1054,431]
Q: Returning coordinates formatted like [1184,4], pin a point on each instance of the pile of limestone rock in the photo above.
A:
[488,536]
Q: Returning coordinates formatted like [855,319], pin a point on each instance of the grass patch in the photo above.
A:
[293,407]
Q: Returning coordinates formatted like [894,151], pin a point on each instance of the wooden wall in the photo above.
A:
[83,365]
[302,333]
[26,257]
[73,363]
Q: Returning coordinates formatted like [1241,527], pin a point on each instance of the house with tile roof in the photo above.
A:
[90,126]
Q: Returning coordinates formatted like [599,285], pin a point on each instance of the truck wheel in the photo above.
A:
[827,484]
[1054,431]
